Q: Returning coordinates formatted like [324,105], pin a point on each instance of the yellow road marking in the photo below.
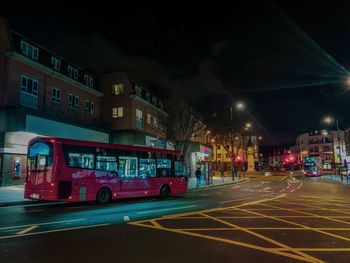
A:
[315,207]
[304,226]
[264,249]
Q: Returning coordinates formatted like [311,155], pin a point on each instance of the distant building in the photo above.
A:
[42,93]
[324,144]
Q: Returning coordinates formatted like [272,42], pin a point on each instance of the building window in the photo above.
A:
[55,63]
[29,85]
[228,155]
[148,97]
[89,107]
[219,146]
[73,73]
[219,155]
[138,119]
[56,95]
[149,117]
[117,112]
[118,88]
[89,81]
[29,51]
[29,92]
[73,101]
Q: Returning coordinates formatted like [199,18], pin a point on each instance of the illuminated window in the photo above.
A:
[56,63]
[56,95]
[118,88]
[81,160]
[163,167]
[128,167]
[139,122]
[149,117]
[155,122]
[148,168]
[106,163]
[117,112]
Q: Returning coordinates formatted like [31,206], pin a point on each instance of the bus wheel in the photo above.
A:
[165,191]
[103,196]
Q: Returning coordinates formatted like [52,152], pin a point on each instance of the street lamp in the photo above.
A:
[240,105]
[329,120]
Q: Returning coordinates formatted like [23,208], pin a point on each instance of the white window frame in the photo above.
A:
[117,112]
[54,97]
[73,101]
[56,63]
[24,88]
[149,118]
[89,81]
[29,51]
[73,72]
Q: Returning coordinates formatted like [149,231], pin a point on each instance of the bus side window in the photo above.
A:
[128,167]
[163,166]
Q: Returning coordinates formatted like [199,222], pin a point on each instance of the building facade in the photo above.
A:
[329,145]
[41,94]
[134,115]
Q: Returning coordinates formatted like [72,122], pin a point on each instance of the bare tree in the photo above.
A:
[183,123]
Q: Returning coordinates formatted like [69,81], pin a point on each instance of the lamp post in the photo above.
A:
[239,106]
[329,120]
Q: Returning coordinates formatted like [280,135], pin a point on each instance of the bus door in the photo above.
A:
[39,174]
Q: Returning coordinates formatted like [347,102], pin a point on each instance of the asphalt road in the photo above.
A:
[270,219]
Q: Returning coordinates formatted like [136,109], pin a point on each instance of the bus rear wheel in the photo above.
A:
[104,196]
[165,191]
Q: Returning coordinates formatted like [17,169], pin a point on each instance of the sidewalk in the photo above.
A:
[336,178]
[192,183]
[12,194]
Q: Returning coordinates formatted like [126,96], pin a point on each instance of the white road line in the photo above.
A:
[28,229]
[167,209]
[283,178]
[56,230]
[41,224]
[267,188]
[229,201]
[237,186]
[126,218]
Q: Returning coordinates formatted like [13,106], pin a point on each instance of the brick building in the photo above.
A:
[41,94]
[134,115]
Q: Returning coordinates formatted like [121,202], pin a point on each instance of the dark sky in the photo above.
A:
[287,60]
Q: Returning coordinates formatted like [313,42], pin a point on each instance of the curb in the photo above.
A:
[335,181]
[216,186]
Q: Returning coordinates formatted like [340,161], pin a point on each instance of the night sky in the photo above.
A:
[287,60]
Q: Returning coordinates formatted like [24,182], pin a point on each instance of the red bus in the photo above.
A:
[312,166]
[70,170]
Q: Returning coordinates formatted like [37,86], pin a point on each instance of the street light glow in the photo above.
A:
[248,125]
[240,105]
[328,119]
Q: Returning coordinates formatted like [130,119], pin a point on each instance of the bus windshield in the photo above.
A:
[39,155]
